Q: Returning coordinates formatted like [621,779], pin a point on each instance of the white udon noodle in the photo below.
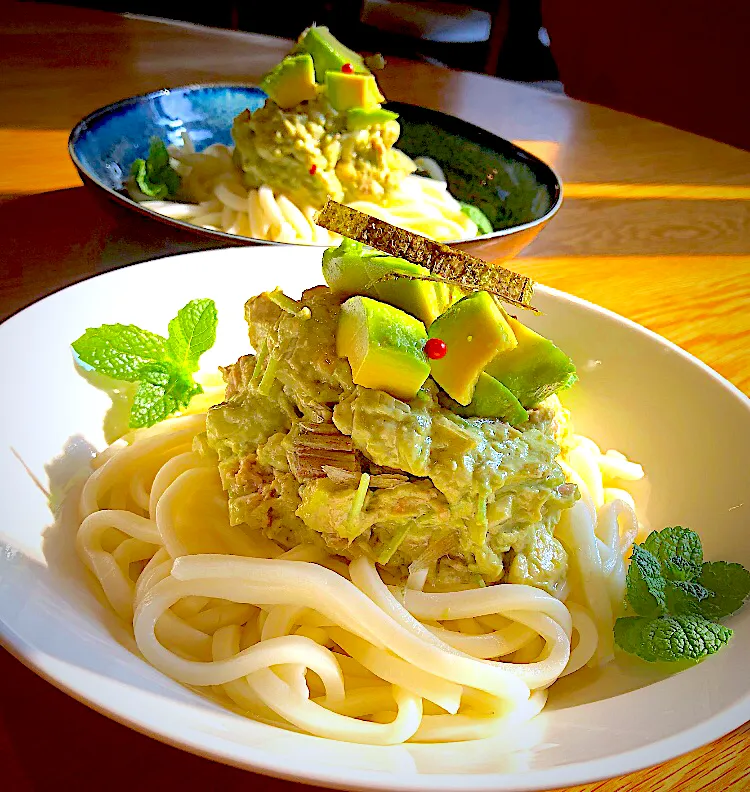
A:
[224,203]
[305,641]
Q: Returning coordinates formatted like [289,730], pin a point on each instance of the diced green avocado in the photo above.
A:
[292,81]
[474,331]
[328,53]
[492,400]
[359,118]
[448,293]
[534,369]
[352,269]
[384,345]
[346,91]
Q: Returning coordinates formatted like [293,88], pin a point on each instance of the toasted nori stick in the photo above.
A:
[445,263]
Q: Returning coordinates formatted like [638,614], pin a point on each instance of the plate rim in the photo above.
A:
[662,750]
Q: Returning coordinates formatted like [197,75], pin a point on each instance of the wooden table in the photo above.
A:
[656,226]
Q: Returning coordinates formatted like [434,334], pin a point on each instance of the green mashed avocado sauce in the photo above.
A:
[308,153]
[308,456]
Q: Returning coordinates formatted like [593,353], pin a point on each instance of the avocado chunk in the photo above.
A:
[474,330]
[290,82]
[346,91]
[491,400]
[534,369]
[352,269]
[328,53]
[384,345]
[359,118]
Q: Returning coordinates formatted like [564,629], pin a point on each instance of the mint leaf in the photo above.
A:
[478,216]
[679,549]
[162,367]
[192,332]
[684,597]
[645,583]
[670,638]
[158,156]
[154,176]
[628,633]
[730,584]
[163,389]
[120,351]
[677,596]
[677,568]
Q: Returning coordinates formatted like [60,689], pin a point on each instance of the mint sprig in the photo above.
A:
[645,583]
[677,598]
[192,332]
[678,549]
[162,367]
[670,638]
[120,351]
[730,584]
[154,176]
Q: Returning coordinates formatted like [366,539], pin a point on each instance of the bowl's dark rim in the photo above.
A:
[478,133]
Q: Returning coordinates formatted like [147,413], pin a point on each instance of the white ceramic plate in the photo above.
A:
[638,393]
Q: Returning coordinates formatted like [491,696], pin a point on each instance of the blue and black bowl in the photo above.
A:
[516,190]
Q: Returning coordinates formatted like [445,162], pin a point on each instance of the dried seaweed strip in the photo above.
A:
[446,263]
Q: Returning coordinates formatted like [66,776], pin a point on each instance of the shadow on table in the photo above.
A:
[57,238]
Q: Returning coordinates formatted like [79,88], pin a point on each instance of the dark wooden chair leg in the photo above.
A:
[498,32]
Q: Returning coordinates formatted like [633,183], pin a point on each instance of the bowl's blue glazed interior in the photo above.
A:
[106,143]
[509,185]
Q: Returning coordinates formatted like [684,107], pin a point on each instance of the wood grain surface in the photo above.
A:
[655,226]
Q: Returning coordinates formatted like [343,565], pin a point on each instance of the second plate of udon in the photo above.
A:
[518,192]
[601,720]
